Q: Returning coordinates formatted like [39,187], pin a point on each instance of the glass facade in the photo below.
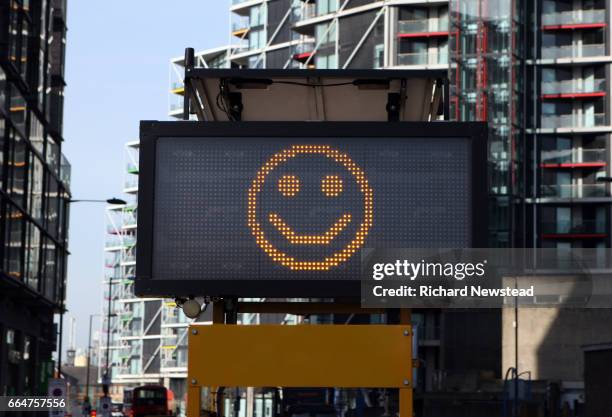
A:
[34,189]
[486,68]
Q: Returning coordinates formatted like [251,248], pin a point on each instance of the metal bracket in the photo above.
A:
[393,107]
[438,103]
[235,103]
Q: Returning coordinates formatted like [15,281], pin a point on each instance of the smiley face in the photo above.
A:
[290,179]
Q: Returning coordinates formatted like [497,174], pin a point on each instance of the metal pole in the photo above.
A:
[189,63]
[91,316]
[61,331]
[61,323]
[108,331]
[516,358]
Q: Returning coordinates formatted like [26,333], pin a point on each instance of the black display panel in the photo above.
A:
[252,209]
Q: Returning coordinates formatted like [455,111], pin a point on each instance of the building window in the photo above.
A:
[36,189]
[52,206]
[2,90]
[32,254]
[323,36]
[379,56]
[49,270]
[14,41]
[326,61]
[52,155]
[17,168]
[23,64]
[18,109]
[257,39]
[256,61]
[3,145]
[257,16]
[326,6]
[37,138]
[13,242]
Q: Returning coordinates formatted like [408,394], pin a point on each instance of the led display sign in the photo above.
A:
[285,210]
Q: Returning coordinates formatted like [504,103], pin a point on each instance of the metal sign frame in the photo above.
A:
[152,130]
[274,95]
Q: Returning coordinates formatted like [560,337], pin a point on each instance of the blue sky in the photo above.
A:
[117,68]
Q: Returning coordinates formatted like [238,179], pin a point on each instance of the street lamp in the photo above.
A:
[113,201]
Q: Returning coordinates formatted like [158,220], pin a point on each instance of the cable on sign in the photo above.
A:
[222,99]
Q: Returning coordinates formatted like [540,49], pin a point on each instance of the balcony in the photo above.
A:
[573,51]
[574,229]
[110,275]
[303,51]
[176,108]
[420,58]
[573,158]
[130,220]
[306,11]
[127,315]
[572,88]
[113,262]
[240,29]
[177,87]
[129,351]
[131,332]
[242,7]
[178,361]
[172,316]
[132,168]
[113,241]
[131,183]
[129,258]
[574,17]
[573,120]
[115,294]
[574,190]
[422,28]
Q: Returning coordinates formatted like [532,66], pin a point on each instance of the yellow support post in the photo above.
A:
[406,406]
[194,397]
[405,402]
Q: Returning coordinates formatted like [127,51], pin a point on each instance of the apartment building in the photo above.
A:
[34,193]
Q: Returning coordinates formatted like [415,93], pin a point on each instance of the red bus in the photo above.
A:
[146,400]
